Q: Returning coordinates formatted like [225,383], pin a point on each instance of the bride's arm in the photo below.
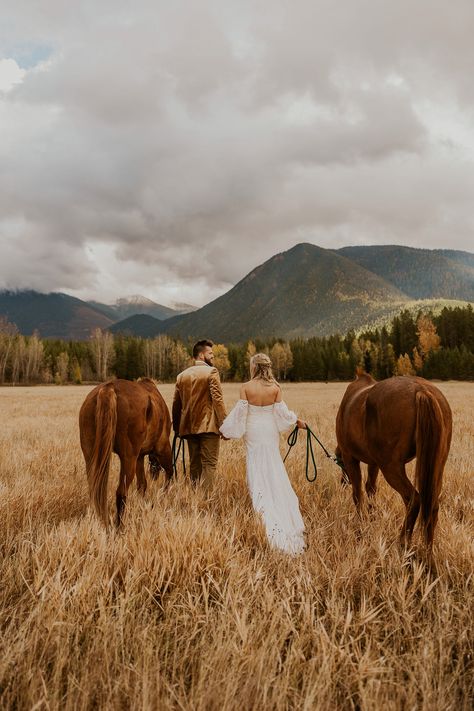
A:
[287,414]
[234,424]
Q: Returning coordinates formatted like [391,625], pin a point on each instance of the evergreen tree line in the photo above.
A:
[435,347]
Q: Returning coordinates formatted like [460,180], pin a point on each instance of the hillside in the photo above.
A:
[465,258]
[53,315]
[304,291]
[138,325]
[419,273]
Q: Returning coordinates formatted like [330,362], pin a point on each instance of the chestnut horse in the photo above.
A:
[132,420]
[387,424]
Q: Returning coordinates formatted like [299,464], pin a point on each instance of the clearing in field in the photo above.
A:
[188,608]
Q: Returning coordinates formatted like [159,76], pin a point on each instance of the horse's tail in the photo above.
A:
[98,469]
[429,463]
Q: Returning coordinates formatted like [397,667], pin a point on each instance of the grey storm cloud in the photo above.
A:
[168,148]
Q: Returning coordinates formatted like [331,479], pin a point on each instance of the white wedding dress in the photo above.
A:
[270,489]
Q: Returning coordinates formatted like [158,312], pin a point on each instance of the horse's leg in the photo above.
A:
[395,475]
[128,464]
[166,459]
[141,477]
[352,467]
[344,476]
[371,484]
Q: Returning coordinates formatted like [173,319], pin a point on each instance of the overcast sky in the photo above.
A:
[167,148]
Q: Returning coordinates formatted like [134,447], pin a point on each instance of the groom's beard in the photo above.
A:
[208,361]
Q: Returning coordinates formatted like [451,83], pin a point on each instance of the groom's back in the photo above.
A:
[193,382]
[198,405]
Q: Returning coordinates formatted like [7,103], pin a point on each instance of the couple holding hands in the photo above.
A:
[259,416]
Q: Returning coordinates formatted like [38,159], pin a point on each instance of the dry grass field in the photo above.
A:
[188,608]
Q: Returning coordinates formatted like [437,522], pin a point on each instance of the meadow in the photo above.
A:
[188,607]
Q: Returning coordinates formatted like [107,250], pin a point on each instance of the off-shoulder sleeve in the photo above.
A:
[284,417]
[234,424]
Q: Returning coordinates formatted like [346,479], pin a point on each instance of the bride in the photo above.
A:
[259,416]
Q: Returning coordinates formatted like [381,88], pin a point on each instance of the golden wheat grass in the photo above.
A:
[188,608]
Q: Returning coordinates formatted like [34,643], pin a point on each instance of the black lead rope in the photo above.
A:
[292,440]
[176,451]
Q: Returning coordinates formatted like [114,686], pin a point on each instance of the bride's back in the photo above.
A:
[260,393]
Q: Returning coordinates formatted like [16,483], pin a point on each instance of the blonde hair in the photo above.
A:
[261,368]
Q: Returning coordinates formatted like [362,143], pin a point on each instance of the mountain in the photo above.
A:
[53,315]
[304,291]
[183,308]
[129,306]
[419,273]
[58,315]
[142,325]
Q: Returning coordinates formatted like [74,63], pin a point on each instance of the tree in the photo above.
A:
[179,357]
[251,350]
[62,367]
[8,332]
[18,358]
[417,360]
[287,360]
[282,359]
[386,357]
[135,368]
[428,338]
[403,334]
[221,359]
[103,350]
[33,359]
[76,371]
[355,351]
[404,366]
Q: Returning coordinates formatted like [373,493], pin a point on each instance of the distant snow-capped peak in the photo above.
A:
[135,300]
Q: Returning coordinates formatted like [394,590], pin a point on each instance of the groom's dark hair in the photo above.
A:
[200,346]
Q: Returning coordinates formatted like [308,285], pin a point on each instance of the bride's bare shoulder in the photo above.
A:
[243,391]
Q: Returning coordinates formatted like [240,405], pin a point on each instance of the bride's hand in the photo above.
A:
[301,424]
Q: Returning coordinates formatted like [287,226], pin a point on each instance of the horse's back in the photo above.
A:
[142,414]
[391,416]
[395,399]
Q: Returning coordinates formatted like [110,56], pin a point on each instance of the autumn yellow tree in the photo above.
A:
[179,357]
[251,350]
[221,359]
[282,359]
[428,339]
[62,365]
[417,359]
[404,365]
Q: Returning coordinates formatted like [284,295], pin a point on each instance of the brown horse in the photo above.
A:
[387,424]
[132,420]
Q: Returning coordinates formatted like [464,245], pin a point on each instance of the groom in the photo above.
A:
[198,412]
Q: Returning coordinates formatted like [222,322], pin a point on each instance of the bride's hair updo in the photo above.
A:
[261,368]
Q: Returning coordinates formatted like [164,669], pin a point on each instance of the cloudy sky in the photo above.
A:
[167,148]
